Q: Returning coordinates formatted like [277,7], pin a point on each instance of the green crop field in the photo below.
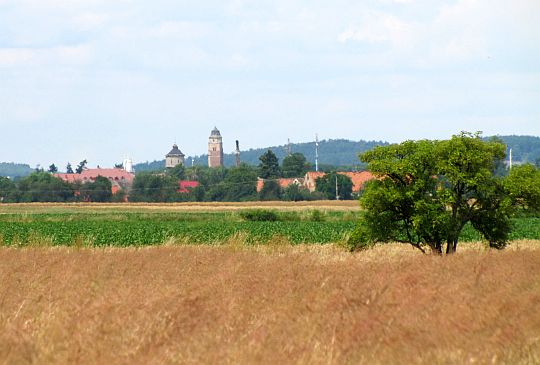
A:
[121,227]
[128,228]
[125,227]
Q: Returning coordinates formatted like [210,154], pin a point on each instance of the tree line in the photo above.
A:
[43,186]
[238,183]
[214,184]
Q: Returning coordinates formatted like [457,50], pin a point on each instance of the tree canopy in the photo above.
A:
[98,190]
[53,169]
[295,165]
[44,187]
[81,166]
[427,191]
[269,166]
[270,191]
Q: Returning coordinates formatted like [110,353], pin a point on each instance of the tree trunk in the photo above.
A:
[451,246]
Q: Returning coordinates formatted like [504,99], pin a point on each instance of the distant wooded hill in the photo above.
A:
[344,153]
[14,170]
[524,148]
[336,152]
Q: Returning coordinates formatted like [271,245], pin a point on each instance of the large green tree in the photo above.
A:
[150,187]
[523,186]
[427,191]
[295,165]
[271,190]
[240,184]
[269,166]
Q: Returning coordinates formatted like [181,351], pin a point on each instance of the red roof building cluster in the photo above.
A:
[118,177]
[187,186]
[310,180]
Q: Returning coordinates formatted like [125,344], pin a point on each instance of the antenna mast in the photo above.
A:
[337,189]
[237,153]
[316,152]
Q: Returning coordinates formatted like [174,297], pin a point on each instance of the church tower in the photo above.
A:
[173,158]
[215,149]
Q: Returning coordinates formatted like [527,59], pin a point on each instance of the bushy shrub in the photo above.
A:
[259,215]
[359,239]
[317,216]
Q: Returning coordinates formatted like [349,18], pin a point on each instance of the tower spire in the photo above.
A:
[237,153]
[215,149]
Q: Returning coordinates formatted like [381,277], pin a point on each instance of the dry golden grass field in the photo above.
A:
[274,304]
[330,205]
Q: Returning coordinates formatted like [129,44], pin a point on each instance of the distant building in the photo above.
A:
[128,165]
[283,183]
[119,178]
[310,180]
[174,158]
[358,179]
[185,186]
[215,149]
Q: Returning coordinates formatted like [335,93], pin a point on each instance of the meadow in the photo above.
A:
[269,304]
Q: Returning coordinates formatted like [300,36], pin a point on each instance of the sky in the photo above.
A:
[103,80]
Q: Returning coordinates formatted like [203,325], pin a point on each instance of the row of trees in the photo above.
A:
[228,184]
[44,187]
[53,169]
[216,184]
[238,183]
[428,191]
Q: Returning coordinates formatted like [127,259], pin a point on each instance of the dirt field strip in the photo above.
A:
[330,205]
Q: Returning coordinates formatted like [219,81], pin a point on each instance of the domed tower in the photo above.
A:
[175,157]
[215,149]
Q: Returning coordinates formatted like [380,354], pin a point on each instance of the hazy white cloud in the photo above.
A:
[381,69]
[90,21]
[55,56]
[380,27]
[16,56]
[185,30]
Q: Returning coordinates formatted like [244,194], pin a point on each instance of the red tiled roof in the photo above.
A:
[314,175]
[358,179]
[283,183]
[286,182]
[91,174]
[186,186]
[260,184]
